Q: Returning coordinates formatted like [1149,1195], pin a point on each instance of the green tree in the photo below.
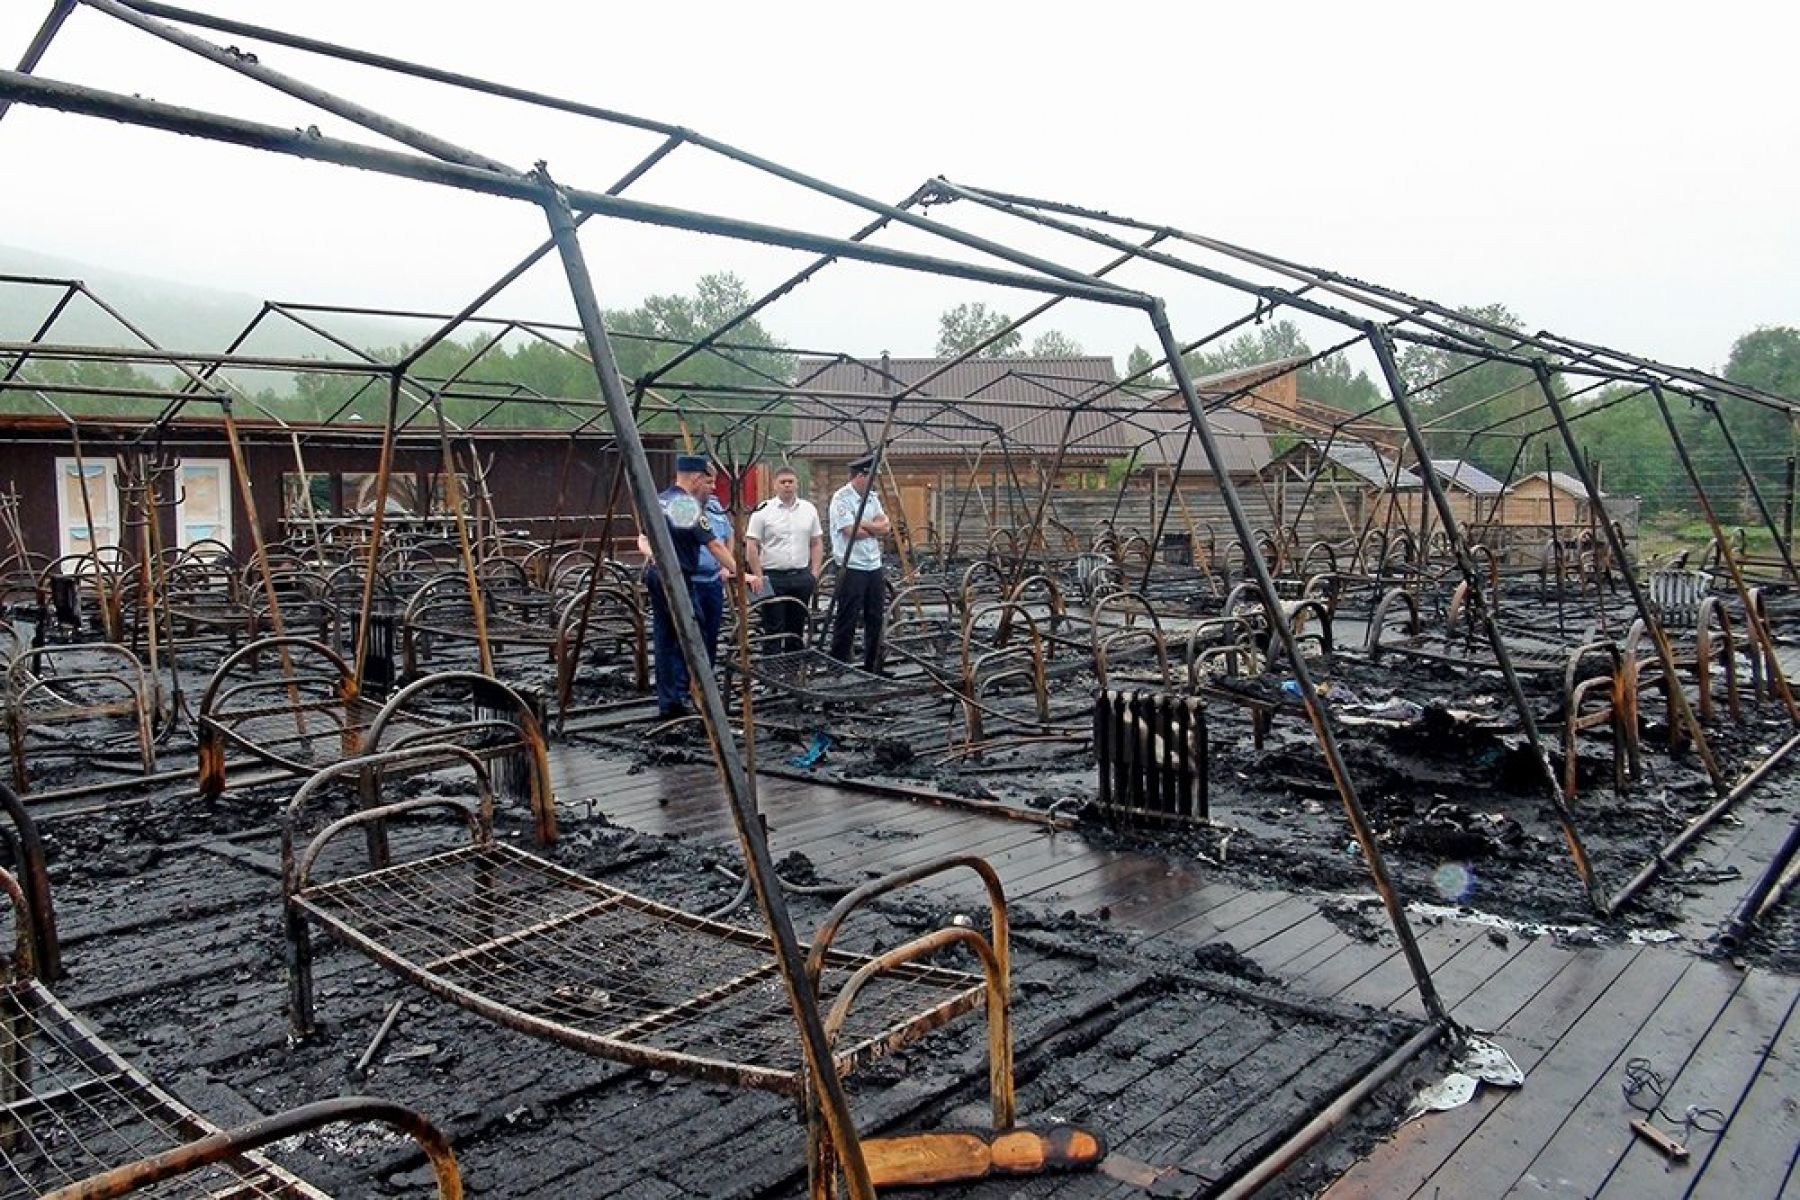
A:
[64,380]
[707,386]
[1768,359]
[1471,392]
[1137,367]
[657,331]
[970,325]
[1330,380]
[1054,343]
[1265,343]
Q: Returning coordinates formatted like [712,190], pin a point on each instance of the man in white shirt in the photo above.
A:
[785,543]
[858,522]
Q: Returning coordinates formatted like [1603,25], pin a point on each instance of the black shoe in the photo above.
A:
[673,714]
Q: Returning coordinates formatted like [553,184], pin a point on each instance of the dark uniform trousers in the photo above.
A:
[862,600]
[784,624]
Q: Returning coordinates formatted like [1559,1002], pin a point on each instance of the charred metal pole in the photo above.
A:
[1306,495]
[1665,655]
[453,496]
[1124,484]
[1783,544]
[1755,900]
[1751,906]
[1015,491]
[1309,692]
[34,53]
[1043,505]
[1162,515]
[297,143]
[562,502]
[570,662]
[1752,617]
[962,507]
[384,474]
[247,64]
[1556,547]
[1694,828]
[1787,509]
[1483,611]
[1512,472]
[759,867]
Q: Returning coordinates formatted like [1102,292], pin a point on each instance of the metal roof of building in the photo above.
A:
[1562,481]
[1016,404]
[1363,461]
[1163,441]
[1466,475]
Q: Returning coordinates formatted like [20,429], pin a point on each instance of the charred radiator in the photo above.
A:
[1151,747]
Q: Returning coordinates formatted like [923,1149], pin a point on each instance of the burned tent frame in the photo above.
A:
[564,208]
[1388,316]
[449,165]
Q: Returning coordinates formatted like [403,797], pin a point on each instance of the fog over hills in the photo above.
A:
[175,315]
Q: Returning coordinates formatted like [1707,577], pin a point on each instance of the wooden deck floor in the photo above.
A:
[1571,1015]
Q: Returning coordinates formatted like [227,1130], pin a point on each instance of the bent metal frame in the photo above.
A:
[434,160]
[1384,319]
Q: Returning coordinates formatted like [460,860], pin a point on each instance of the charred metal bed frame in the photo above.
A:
[816,677]
[51,687]
[312,713]
[541,949]
[78,1122]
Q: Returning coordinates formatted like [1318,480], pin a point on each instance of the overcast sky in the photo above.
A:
[1619,172]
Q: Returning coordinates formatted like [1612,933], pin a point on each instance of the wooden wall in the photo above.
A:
[525,476]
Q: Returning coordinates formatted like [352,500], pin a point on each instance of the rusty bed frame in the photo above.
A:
[79,1122]
[312,712]
[538,948]
[73,686]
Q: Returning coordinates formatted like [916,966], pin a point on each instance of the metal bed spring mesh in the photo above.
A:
[815,675]
[70,1107]
[516,630]
[540,947]
[1531,654]
[219,611]
[311,732]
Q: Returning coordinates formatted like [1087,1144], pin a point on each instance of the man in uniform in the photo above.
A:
[709,580]
[785,543]
[684,509]
[858,522]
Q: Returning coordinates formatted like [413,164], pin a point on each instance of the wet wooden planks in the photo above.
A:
[847,836]
[1717,1036]
[1572,1016]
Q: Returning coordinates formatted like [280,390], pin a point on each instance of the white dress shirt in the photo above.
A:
[785,533]
[865,553]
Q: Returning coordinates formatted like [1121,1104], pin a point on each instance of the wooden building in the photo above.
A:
[1335,489]
[1555,504]
[1473,494]
[1547,498]
[973,444]
[303,482]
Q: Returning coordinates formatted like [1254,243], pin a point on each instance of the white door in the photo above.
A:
[203,501]
[84,527]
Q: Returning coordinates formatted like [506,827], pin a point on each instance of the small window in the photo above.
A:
[440,499]
[307,495]
[203,501]
[360,490]
[81,527]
